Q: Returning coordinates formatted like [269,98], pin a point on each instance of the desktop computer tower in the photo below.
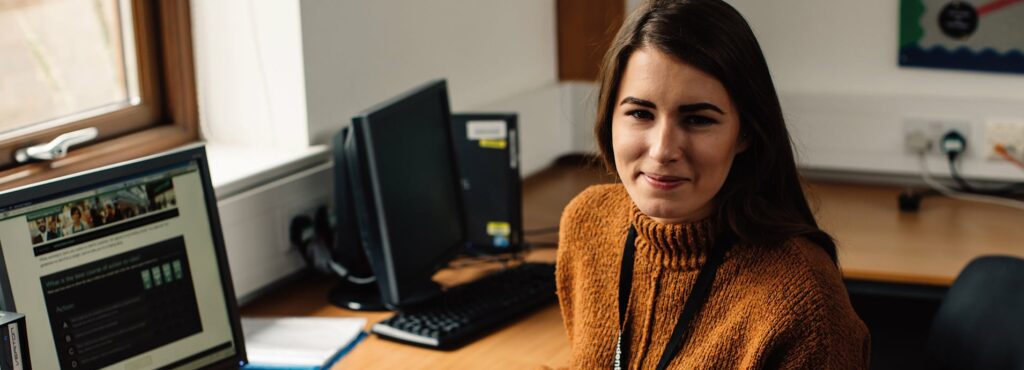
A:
[487,155]
[15,342]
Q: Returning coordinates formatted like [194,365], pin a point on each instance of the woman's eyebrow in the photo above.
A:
[640,102]
[685,108]
[688,108]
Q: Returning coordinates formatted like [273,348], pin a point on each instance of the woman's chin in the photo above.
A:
[670,213]
[663,214]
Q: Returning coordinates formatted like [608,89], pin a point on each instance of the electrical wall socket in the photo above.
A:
[925,133]
[287,213]
[1005,131]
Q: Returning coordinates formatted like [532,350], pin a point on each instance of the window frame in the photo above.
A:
[167,116]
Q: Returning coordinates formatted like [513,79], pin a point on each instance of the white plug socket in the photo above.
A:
[925,134]
[1007,132]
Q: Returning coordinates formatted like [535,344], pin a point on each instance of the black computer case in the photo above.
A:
[487,152]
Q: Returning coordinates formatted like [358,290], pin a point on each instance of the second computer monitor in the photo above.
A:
[406,191]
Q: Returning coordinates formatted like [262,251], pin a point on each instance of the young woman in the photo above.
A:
[706,255]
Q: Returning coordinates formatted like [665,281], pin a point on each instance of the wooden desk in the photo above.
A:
[877,243]
[536,339]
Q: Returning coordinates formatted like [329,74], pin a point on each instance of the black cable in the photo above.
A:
[964,186]
[954,144]
[1007,190]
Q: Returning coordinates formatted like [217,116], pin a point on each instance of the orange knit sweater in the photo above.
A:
[780,306]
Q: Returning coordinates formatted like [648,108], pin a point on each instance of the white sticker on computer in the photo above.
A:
[15,339]
[486,130]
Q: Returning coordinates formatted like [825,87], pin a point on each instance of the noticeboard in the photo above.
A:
[984,35]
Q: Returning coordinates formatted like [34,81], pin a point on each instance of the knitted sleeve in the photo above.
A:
[823,340]
[564,265]
[825,332]
[579,216]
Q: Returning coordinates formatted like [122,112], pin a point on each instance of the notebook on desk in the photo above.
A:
[312,343]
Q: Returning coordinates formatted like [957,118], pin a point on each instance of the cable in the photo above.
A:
[1010,189]
[954,144]
[1001,150]
[927,177]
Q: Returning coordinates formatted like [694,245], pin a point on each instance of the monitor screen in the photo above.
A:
[122,267]
[408,193]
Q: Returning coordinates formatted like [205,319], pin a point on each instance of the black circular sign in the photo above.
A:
[958,19]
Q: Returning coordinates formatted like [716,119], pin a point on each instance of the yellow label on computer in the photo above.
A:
[493,144]
[498,228]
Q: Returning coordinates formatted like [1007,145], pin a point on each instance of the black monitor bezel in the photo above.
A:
[84,180]
[347,249]
[371,216]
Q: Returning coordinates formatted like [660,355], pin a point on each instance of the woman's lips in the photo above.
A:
[663,182]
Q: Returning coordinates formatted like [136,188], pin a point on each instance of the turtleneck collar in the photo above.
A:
[675,246]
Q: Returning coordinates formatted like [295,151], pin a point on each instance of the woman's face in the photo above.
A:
[675,133]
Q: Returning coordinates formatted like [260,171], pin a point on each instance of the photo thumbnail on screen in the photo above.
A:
[110,206]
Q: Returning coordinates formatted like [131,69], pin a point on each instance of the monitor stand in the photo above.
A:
[356,297]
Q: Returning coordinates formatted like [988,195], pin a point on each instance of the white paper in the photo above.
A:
[297,341]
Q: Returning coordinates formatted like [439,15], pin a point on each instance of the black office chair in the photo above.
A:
[980,324]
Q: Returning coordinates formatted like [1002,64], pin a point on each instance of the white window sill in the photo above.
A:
[236,168]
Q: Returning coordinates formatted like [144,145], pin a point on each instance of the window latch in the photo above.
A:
[56,148]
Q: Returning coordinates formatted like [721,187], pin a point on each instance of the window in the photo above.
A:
[121,66]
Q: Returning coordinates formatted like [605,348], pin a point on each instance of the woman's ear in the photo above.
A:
[742,142]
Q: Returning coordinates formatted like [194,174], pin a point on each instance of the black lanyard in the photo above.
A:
[693,304]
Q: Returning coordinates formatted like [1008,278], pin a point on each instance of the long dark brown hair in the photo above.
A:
[761,201]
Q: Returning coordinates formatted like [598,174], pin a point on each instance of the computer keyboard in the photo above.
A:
[467,311]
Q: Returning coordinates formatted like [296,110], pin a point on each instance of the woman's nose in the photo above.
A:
[665,143]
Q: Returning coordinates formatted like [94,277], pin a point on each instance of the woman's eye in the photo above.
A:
[698,120]
[640,114]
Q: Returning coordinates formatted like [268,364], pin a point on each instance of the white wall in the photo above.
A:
[359,53]
[850,47]
[249,73]
[846,98]
[579,104]
[286,74]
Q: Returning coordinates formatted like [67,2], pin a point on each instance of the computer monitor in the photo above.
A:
[407,200]
[122,267]
[357,288]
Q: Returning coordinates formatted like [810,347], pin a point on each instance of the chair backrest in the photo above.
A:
[980,324]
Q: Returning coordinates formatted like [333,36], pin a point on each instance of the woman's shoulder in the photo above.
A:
[815,265]
[597,203]
[797,274]
[797,288]
[598,214]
